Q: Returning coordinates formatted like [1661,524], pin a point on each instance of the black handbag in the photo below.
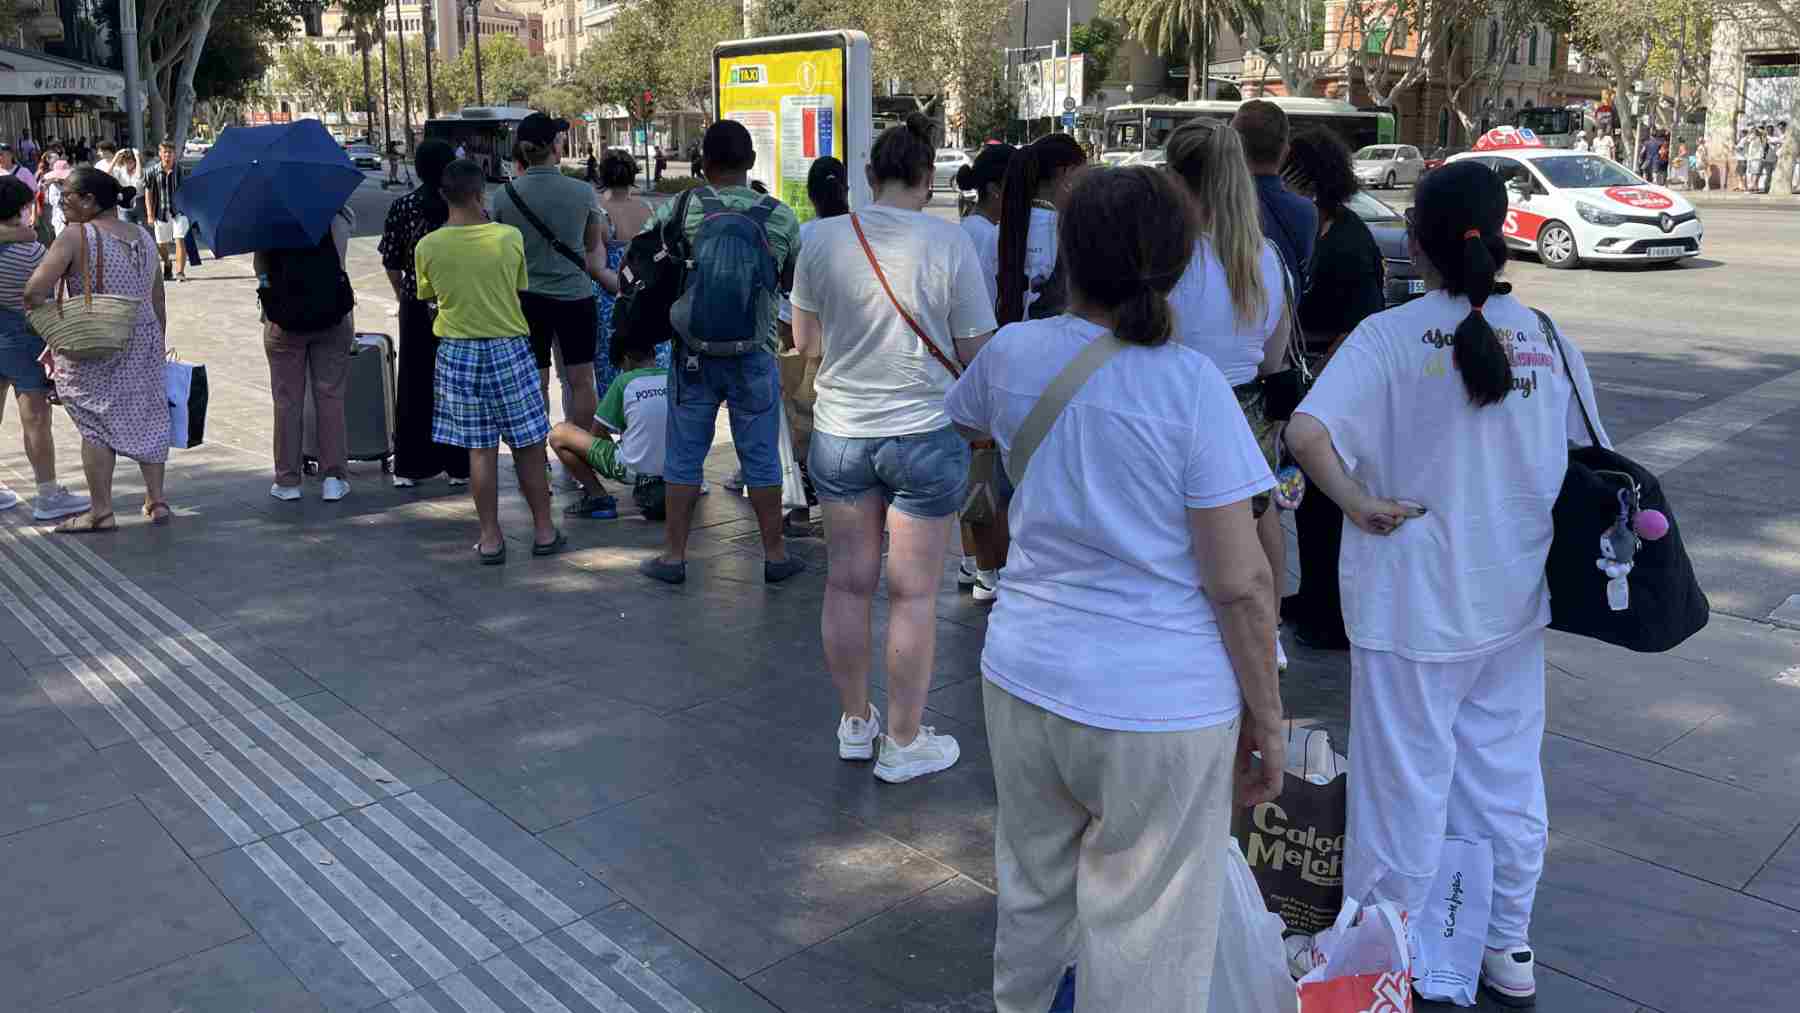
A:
[1664,604]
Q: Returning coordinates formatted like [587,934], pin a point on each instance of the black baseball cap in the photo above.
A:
[540,129]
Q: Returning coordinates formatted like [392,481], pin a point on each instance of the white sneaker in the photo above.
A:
[58,504]
[405,483]
[335,489]
[987,585]
[8,498]
[285,493]
[856,736]
[965,573]
[928,754]
[1281,662]
[1510,976]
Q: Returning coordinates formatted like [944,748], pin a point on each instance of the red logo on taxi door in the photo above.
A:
[1522,225]
[1637,197]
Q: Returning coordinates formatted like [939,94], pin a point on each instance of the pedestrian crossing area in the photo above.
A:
[379,882]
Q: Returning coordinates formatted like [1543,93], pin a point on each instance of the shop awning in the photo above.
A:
[24,74]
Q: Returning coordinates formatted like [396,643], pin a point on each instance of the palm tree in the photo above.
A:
[1160,24]
[364,17]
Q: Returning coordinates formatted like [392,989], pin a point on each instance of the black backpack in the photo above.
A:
[652,275]
[307,290]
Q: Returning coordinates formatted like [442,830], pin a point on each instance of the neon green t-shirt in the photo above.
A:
[475,272]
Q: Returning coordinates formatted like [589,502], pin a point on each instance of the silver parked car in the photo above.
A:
[1389,165]
[943,170]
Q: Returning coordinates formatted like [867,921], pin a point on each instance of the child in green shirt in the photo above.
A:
[627,440]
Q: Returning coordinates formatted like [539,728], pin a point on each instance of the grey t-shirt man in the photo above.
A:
[565,206]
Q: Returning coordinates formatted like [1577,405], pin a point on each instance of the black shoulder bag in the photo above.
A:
[544,230]
[1602,495]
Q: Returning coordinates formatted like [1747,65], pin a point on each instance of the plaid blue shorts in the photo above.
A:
[487,390]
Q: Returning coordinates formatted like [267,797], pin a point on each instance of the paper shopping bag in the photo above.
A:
[1453,928]
[187,390]
[1360,964]
[1294,845]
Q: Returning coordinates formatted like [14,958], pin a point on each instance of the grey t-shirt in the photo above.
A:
[566,206]
[877,378]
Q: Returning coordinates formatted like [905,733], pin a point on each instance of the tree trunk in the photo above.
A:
[1196,61]
[368,106]
[1790,152]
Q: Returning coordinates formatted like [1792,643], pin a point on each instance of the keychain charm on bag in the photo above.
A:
[1619,545]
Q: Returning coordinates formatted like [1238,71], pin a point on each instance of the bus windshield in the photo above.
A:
[1125,132]
[1543,120]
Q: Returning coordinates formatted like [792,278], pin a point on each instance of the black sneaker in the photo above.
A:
[669,573]
[597,508]
[776,572]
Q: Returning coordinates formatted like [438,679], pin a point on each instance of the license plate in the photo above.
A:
[1415,286]
[1667,251]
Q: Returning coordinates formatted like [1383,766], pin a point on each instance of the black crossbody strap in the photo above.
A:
[544,230]
[1550,332]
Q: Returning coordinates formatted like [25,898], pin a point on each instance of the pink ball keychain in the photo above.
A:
[1650,525]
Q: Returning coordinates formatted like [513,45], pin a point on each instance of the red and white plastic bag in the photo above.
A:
[1361,964]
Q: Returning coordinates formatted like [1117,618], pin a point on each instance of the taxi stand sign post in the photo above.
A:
[801,97]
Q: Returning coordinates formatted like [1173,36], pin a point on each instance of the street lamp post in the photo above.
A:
[405,78]
[475,24]
[427,22]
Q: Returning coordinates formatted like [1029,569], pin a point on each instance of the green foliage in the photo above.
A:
[509,74]
[1098,40]
[678,184]
[236,57]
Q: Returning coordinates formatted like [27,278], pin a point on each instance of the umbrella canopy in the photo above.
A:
[268,188]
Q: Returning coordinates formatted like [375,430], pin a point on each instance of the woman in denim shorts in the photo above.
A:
[895,301]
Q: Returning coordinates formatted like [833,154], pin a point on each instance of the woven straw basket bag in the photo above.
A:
[94,327]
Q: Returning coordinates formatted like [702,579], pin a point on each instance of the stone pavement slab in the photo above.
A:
[236,977]
[745,871]
[98,897]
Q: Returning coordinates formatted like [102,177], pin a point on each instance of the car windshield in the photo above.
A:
[1574,172]
[1371,209]
[945,157]
[1375,154]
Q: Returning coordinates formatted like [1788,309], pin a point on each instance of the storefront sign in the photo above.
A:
[17,83]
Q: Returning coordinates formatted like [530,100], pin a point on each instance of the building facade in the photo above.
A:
[1755,78]
[52,83]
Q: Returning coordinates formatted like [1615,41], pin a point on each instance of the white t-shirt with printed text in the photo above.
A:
[1102,618]
[1467,578]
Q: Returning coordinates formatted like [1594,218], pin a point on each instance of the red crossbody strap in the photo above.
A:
[947,363]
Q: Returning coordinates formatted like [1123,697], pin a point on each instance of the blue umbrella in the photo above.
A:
[268,188]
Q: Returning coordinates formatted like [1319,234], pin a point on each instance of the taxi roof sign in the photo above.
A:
[1504,138]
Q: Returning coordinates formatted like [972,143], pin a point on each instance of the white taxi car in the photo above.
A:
[1570,206]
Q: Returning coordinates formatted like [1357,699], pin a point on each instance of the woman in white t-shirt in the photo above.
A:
[1128,661]
[986,177]
[984,545]
[894,300]
[1038,180]
[1442,427]
[1231,304]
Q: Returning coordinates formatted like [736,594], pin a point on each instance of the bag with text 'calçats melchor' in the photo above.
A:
[1295,844]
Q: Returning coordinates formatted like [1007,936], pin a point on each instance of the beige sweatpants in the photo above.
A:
[1107,850]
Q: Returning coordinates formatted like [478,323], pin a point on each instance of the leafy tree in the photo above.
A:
[316,79]
[172,38]
[509,73]
[1097,40]
[1163,25]
[236,57]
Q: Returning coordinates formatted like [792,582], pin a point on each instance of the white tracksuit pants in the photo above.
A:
[1447,747]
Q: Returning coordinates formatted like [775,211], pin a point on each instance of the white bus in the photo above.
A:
[1135,129]
[484,133]
[1555,126]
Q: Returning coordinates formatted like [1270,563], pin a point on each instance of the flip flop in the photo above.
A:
[159,512]
[551,547]
[74,525]
[496,558]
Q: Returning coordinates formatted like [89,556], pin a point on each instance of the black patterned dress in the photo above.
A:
[416,456]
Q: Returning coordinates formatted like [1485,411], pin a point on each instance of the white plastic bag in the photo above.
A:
[1361,964]
[1250,972]
[793,487]
[1453,928]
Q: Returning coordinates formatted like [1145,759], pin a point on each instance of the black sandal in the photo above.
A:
[495,558]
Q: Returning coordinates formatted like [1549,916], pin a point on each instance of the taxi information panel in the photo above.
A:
[801,97]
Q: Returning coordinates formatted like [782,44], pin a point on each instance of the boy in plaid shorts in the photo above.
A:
[487,382]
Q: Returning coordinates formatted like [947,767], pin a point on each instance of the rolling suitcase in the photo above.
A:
[368,405]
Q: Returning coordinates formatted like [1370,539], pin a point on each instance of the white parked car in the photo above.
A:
[943,170]
[1569,207]
[1389,165]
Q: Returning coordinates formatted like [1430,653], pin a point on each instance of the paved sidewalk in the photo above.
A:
[286,757]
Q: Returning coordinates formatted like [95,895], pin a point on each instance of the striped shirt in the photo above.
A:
[17,261]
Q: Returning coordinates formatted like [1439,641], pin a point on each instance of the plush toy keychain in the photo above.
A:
[1619,545]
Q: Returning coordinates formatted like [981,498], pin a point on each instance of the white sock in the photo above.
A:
[47,488]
